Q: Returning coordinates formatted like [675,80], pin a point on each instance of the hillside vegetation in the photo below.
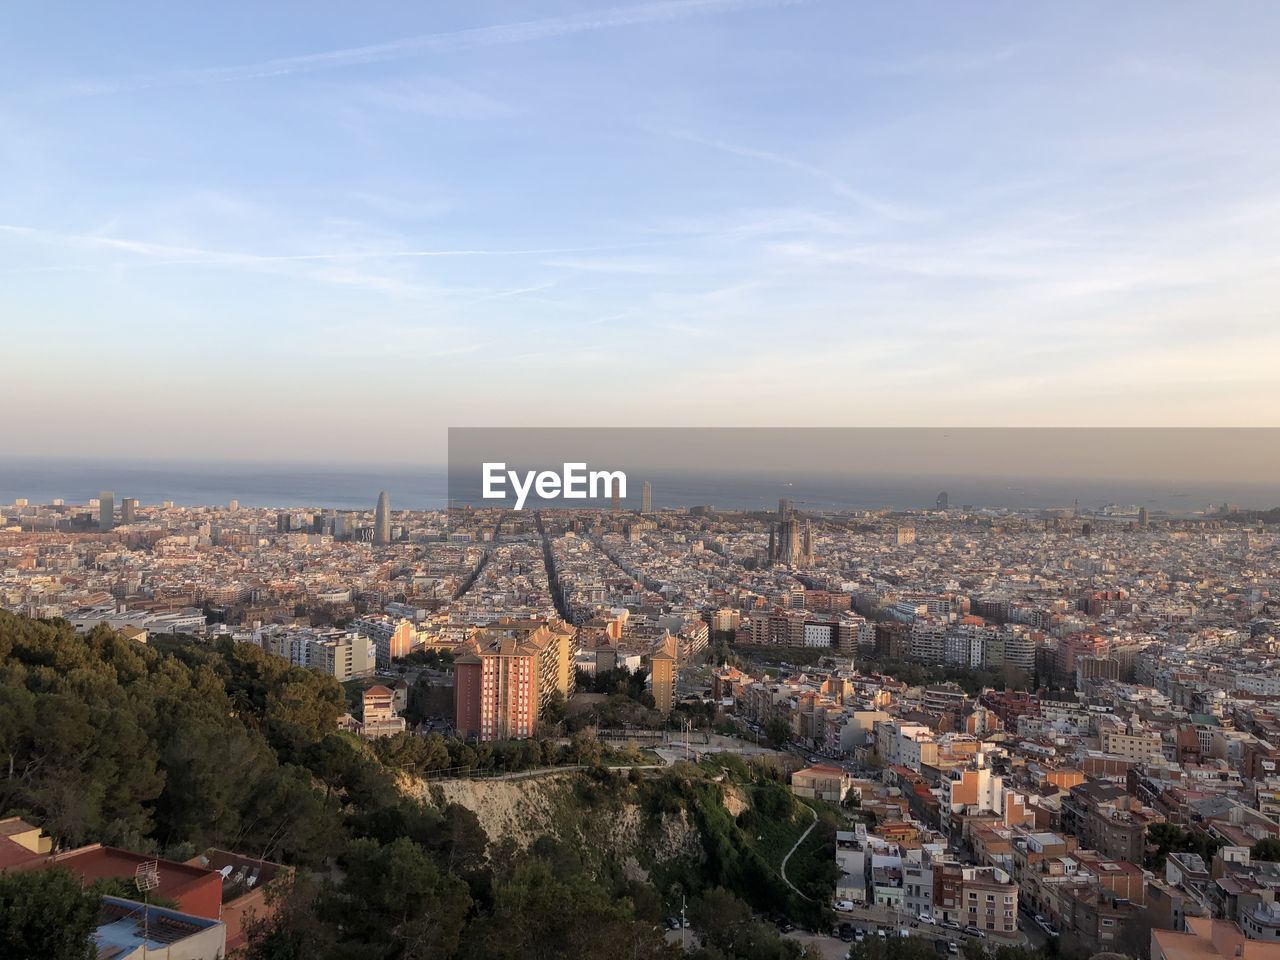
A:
[175,746]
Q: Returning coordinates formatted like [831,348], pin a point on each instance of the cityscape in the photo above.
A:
[640,480]
[1020,729]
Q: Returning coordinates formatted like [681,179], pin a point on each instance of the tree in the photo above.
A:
[778,731]
[585,749]
[1167,838]
[541,913]
[554,712]
[1266,849]
[395,892]
[729,929]
[45,913]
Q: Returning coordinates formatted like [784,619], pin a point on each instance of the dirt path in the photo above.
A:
[783,869]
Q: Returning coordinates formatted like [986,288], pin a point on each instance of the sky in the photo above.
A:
[329,231]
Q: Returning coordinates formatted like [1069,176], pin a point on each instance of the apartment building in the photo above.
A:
[1143,746]
[906,744]
[507,676]
[342,654]
[989,902]
[380,719]
[393,637]
[663,661]
[928,640]
[821,782]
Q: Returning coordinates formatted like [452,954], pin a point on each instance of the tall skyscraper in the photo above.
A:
[616,496]
[106,510]
[128,510]
[382,520]
[646,498]
[233,506]
[1143,517]
[942,500]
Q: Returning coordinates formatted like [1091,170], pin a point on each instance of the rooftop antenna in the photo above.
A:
[146,878]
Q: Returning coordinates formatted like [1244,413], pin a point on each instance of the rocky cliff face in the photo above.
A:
[564,807]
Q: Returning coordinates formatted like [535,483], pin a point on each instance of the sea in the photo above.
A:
[352,487]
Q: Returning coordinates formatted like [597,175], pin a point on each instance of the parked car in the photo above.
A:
[1040,921]
[973,931]
[844,904]
[859,936]
[785,925]
[1050,929]
[940,945]
[951,924]
[673,923]
[953,949]
[846,932]
[925,918]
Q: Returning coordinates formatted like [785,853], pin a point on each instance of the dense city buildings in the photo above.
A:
[1020,706]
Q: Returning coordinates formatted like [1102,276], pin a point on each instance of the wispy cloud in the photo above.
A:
[838,185]
[942,61]
[161,254]
[428,97]
[451,41]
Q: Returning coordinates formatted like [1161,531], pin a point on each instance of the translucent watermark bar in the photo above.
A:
[1173,472]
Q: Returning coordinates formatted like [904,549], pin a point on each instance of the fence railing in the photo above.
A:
[496,773]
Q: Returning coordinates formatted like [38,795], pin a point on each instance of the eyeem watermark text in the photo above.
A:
[574,482]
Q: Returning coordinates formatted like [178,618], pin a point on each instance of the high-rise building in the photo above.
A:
[646,498]
[615,495]
[128,510]
[1144,518]
[382,520]
[508,675]
[906,535]
[942,500]
[662,672]
[106,510]
[233,506]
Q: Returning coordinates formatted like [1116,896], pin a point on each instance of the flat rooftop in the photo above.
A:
[121,925]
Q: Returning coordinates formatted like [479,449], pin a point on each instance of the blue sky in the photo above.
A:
[328,231]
